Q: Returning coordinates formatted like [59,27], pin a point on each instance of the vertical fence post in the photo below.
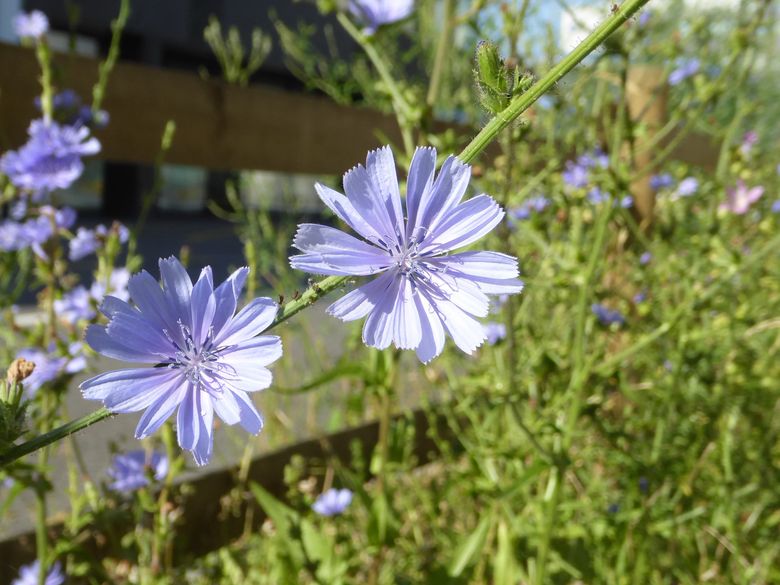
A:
[647,95]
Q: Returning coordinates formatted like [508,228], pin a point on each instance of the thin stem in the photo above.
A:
[105,68]
[441,53]
[401,107]
[521,103]
[43,53]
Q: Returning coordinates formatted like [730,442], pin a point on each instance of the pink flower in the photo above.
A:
[740,198]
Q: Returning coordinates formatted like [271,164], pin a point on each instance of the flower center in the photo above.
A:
[196,360]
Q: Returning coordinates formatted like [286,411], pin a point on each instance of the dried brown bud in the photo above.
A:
[477,171]
[19,370]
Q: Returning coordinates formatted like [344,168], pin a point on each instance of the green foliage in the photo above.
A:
[237,66]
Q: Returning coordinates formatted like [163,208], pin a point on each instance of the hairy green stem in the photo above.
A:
[43,53]
[105,68]
[522,102]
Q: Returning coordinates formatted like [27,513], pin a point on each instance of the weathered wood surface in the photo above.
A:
[218,126]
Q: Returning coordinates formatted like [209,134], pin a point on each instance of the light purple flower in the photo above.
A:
[130,471]
[423,290]
[332,502]
[536,204]
[117,286]
[84,243]
[374,13]
[75,305]
[495,332]
[685,68]
[776,206]
[575,175]
[645,17]
[749,140]
[662,181]
[687,187]
[627,202]
[607,316]
[595,158]
[645,258]
[31,24]
[207,357]
[640,297]
[28,574]
[740,198]
[51,158]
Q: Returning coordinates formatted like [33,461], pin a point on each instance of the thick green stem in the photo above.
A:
[521,103]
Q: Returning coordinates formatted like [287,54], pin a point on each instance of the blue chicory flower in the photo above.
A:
[535,204]
[423,290]
[75,305]
[685,68]
[575,175]
[645,258]
[51,158]
[687,187]
[28,574]
[375,13]
[749,140]
[87,241]
[117,286]
[35,231]
[662,181]
[607,316]
[776,206]
[645,17]
[596,196]
[130,471]
[332,502]
[207,358]
[31,25]
[740,197]
[640,297]
[595,158]
[627,202]
[495,332]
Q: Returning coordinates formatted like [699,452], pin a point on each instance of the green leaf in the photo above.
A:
[469,549]
[503,563]
[282,515]
[317,546]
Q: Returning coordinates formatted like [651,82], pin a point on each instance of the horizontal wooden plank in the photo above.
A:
[203,527]
[218,126]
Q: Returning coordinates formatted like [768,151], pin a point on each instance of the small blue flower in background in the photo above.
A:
[668,365]
[644,484]
[374,13]
[532,205]
[69,110]
[31,25]
[645,17]
[130,471]
[627,202]
[597,196]
[645,258]
[575,175]
[607,316]
[687,187]
[423,290]
[662,181]
[495,332]
[640,297]
[595,158]
[332,502]
[117,286]
[49,366]
[51,158]
[88,241]
[28,575]
[776,206]
[685,68]
[207,357]
[75,305]
[35,231]
[613,508]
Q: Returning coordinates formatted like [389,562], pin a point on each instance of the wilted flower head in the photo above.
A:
[495,332]
[131,471]
[51,158]
[423,290]
[658,182]
[332,502]
[687,187]
[49,365]
[375,13]
[206,357]
[31,24]
[685,68]
[28,574]
[607,316]
[739,198]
